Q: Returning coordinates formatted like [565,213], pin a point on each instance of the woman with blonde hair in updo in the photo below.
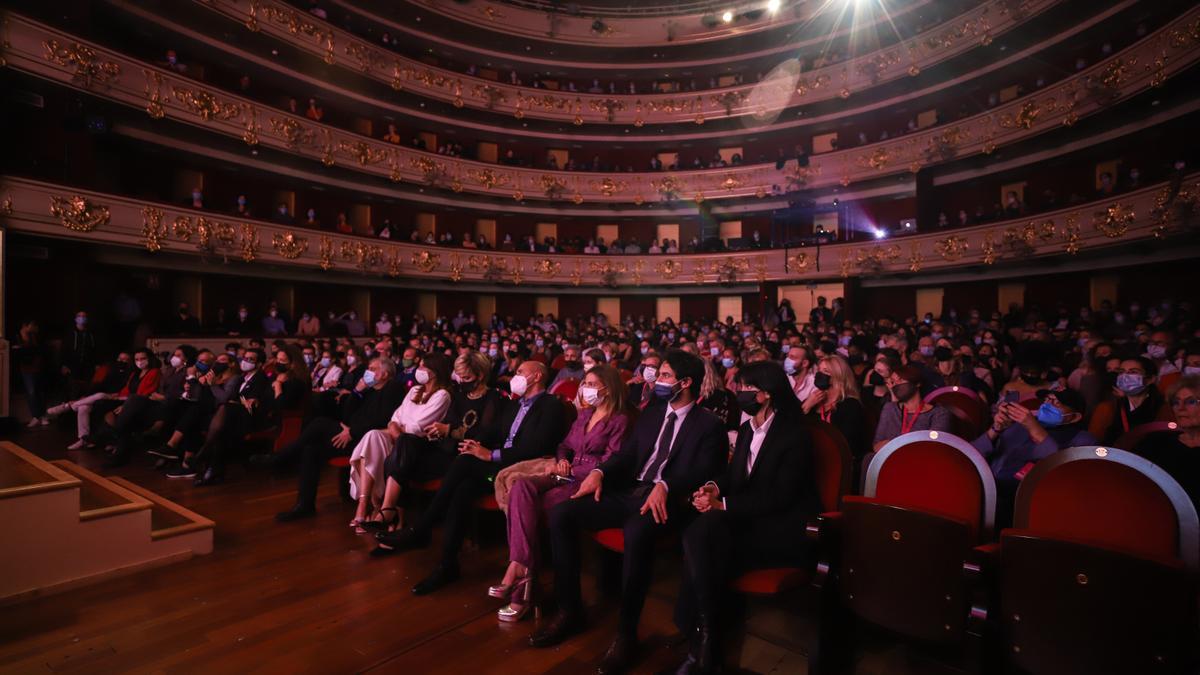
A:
[835,400]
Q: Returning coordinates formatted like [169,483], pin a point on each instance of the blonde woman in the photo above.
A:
[835,400]
[718,400]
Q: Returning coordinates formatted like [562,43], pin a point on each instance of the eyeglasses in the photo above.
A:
[1189,402]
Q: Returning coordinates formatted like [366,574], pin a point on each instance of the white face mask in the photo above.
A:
[248,366]
[518,385]
[351,359]
[588,365]
[422,376]
[650,374]
[589,395]
[176,362]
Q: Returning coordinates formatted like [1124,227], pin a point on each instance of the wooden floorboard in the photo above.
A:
[306,598]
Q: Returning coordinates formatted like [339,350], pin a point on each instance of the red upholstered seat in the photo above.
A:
[626,375]
[771,581]
[262,435]
[1099,573]
[488,503]
[428,486]
[566,389]
[340,462]
[971,415]
[612,539]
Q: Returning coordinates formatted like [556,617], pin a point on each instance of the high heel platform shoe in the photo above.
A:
[523,589]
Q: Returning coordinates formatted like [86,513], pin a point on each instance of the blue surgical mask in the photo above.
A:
[664,391]
[789,366]
[201,367]
[727,362]
[368,378]
[785,348]
[1130,383]
[1049,415]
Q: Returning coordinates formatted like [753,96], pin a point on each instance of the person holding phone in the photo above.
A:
[1020,437]
[597,433]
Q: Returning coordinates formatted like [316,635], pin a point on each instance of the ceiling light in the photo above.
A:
[727,16]
[773,6]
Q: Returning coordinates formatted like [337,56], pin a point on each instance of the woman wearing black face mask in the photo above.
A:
[1029,378]
[836,401]
[908,412]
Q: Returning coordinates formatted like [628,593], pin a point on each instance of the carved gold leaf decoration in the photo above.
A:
[426,261]
[205,104]
[78,214]
[951,248]
[1114,221]
[89,67]
[288,245]
[153,229]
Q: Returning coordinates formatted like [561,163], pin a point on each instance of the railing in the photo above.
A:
[691,23]
[48,53]
[786,87]
[1154,213]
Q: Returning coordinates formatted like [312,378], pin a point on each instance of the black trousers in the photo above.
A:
[465,482]
[137,414]
[312,449]
[416,459]
[615,509]
[228,435]
[718,546]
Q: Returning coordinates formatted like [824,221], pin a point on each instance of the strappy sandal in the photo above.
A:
[381,525]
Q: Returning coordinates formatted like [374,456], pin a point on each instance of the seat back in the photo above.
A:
[833,464]
[970,413]
[290,423]
[901,568]
[938,473]
[1112,499]
[566,389]
[1130,440]
[1068,607]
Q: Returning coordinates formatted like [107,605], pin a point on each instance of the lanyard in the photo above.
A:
[907,424]
[826,415]
[1124,417]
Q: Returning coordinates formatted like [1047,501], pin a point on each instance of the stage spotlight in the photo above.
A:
[880,233]
[773,6]
[727,16]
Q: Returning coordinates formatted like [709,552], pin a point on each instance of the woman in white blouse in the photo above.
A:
[327,373]
[408,431]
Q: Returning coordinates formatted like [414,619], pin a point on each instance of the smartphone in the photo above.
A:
[1012,396]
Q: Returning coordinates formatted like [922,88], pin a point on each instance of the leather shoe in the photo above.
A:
[442,575]
[297,512]
[704,649]
[209,477]
[561,627]
[618,658]
[403,540]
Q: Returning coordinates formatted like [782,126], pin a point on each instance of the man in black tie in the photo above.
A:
[645,488]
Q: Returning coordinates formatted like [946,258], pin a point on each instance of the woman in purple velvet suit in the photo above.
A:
[597,433]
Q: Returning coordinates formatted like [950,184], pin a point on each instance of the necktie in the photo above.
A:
[664,449]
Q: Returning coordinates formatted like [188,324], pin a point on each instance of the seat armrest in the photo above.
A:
[979,568]
[825,534]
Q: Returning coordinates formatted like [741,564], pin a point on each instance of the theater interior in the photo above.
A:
[546,336]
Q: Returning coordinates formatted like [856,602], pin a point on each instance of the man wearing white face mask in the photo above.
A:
[246,411]
[641,386]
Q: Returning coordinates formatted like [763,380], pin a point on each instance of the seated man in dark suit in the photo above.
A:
[752,517]
[368,406]
[645,488]
[248,410]
[530,427]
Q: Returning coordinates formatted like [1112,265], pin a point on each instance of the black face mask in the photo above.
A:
[466,387]
[748,402]
[512,354]
[573,365]
[904,391]
[220,368]
[1031,378]
[876,379]
[822,381]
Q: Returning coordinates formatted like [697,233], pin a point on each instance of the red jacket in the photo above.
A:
[146,386]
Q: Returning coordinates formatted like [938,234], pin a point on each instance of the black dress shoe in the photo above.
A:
[442,575]
[618,658]
[704,649]
[297,512]
[403,540]
[209,477]
[561,627]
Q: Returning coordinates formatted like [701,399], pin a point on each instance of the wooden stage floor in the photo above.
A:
[306,598]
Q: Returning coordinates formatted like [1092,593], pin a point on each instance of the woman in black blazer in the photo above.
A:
[753,516]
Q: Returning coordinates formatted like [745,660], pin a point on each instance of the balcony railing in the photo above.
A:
[786,87]
[45,52]
[1157,212]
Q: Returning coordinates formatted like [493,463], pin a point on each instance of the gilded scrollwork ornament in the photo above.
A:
[90,69]
[288,245]
[78,214]
[154,230]
[1114,221]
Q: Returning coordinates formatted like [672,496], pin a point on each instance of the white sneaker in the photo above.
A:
[77,445]
[45,421]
